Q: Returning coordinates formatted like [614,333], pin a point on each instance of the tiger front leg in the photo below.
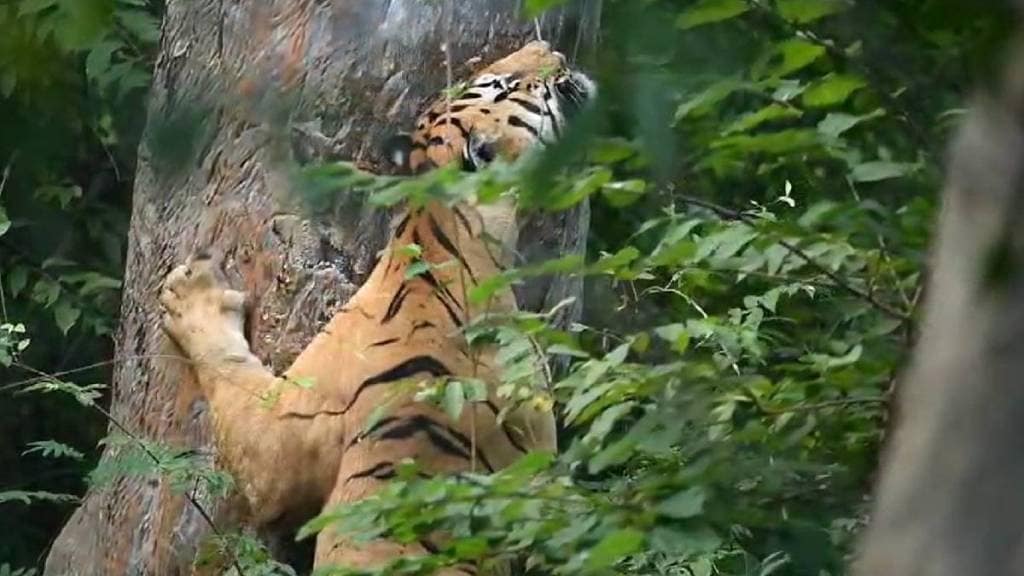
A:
[204,317]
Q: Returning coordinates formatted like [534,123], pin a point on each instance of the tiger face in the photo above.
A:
[520,101]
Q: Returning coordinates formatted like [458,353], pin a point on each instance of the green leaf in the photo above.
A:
[97,62]
[454,399]
[8,82]
[34,6]
[46,292]
[53,449]
[623,193]
[702,102]
[684,542]
[787,57]
[781,142]
[836,123]
[411,250]
[685,504]
[140,24]
[31,496]
[5,223]
[832,90]
[676,335]
[17,280]
[881,170]
[65,315]
[615,262]
[804,11]
[710,11]
[62,195]
[614,547]
[767,114]
[581,189]
[304,382]
[535,8]
[416,269]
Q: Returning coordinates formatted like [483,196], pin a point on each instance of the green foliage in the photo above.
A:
[760,225]
[763,176]
[184,470]
[72,79]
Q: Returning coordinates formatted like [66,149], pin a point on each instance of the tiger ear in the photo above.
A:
[398,149]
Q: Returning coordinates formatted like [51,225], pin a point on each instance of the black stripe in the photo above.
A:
[421,325]
[412,426]
[447,244]
[465,221]
[504,428]
[411,367]
[554,124]
[468,96]
[396,303]
[501,96]
[384,342]
[529,106]
[460,447]
[430,279]
[438,287]
[380,471]
[449,119]
[436,141]
[429,546]
[402,224]
[366,433]
[514,120]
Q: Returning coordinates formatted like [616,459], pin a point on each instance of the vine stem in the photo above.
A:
[730,214]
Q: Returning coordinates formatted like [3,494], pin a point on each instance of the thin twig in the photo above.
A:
[730,214]
[57,375]
[3,184]
[7,173]
[149,453]
[823,405]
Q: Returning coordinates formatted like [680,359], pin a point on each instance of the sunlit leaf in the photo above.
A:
[803,11]
[876,171]
[710,11]
[614,547]
[685,504]
[832,90]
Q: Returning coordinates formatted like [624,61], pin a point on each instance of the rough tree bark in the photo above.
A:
[355,70]
[950,500]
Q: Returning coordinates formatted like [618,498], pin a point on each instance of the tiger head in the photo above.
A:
[522,100]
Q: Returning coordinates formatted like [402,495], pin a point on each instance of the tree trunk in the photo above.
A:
[950,497]
[240,89]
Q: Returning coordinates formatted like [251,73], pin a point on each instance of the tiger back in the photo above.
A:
[402,328]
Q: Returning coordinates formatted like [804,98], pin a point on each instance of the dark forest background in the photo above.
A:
[764,176]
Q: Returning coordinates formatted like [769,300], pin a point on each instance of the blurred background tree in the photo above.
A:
[764,177]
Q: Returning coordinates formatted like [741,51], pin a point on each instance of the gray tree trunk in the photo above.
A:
[240,88]
[951,497]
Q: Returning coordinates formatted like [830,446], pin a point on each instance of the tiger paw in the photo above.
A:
[202,314]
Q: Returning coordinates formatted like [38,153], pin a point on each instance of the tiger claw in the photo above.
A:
[199,311]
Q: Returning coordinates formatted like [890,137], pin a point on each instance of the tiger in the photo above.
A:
[310,448]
